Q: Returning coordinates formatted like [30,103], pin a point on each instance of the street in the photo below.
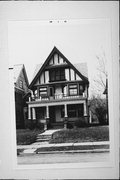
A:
[63,158]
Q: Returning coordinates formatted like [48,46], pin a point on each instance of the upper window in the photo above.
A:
[21,84]
[73,90]
[57,75]
[43,91]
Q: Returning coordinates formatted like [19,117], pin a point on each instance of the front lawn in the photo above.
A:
[89,134]
[26,136]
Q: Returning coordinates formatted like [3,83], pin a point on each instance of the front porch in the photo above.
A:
[54,114]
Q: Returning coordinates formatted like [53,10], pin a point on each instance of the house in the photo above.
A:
[21,89]
[59,92]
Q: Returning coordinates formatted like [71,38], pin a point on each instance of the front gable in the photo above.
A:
[54,63]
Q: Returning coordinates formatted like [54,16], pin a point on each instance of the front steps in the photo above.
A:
[43,138]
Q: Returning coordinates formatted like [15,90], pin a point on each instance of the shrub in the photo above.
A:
[81,123]
[26,136]
[69,125]
[34,125]
[40,126]
[30,125]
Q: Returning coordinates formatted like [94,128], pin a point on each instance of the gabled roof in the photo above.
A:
[18,68]
[77,68]
[37,68]
[82,67]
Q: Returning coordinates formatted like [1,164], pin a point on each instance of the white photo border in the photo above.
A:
[110,100]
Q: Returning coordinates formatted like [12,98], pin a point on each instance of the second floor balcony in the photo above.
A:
[57,97]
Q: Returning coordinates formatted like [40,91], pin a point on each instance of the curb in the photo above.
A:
[69,151]
[75,151]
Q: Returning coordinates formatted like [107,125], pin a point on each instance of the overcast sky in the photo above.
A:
[30,42]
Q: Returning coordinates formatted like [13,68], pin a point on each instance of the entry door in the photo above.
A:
[51,91]
[52,114]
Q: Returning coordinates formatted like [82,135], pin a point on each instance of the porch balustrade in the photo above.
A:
[60,96]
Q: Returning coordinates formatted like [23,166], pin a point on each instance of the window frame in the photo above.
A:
[58,75]
[73,88]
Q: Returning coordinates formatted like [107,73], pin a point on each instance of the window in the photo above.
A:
[57,75]
[72,111]
[81,89]
[21,84]
[73,90]
[75,110]
[43,91]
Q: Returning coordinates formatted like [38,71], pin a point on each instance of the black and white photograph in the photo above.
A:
[61,90]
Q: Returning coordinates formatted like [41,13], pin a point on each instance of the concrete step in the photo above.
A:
[44,136]
[42,140]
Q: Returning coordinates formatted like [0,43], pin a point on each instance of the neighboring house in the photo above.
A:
[21,89]
[59,91]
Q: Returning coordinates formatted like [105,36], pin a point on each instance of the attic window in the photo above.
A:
[21,84]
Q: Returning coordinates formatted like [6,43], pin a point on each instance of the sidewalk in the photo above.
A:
[100,146]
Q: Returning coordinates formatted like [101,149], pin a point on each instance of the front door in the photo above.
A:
[51,91]
[52,114]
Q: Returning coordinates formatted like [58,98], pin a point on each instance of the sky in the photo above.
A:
[30,42]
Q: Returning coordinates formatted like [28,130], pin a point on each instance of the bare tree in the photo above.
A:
[99,83]
[101,80]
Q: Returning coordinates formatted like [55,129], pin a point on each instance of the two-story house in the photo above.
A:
[59,91]
[21,89]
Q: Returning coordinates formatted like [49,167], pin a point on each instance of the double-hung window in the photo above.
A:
[73,90]
[43,91]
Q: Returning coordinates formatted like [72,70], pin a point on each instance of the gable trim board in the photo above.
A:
[55,50]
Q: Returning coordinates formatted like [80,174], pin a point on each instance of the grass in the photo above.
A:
[26,136]
[89,134]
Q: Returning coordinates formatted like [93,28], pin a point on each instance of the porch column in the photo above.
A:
[29,112]
[85,109]
[47,118]
[33,113]
[65,117]
[65,110]
[47,112]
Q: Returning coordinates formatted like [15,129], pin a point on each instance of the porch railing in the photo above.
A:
[57,97]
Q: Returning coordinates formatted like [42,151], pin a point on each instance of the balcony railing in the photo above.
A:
[60,96]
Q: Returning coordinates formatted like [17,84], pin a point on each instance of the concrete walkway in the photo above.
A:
[50,132]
